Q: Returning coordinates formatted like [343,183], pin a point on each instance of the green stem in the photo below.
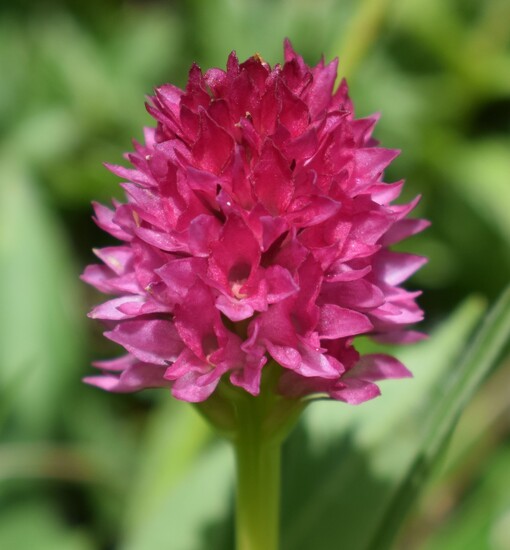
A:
[256,427]
[258,482]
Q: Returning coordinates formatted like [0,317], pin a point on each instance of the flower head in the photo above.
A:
[256,231]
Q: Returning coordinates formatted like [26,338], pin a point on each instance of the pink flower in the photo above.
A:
[256,230]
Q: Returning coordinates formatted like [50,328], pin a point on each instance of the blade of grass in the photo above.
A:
[358,455]
[478,360]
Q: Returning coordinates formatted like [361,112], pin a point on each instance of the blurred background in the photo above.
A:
[81,469]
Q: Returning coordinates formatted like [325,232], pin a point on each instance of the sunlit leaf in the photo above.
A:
[39,328]
[192,516]
[444,411]
[481,172]
[175,436]
[349,461]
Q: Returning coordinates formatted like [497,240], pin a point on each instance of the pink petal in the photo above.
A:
[116,364]
[170,242]
[272,179]
[100,277]
[149,340]
[116,258]
[137,377]
[311,210]
[378,366]
[280,283]
[190,388]
[370,163]
[403,229]
[235,310]
[104,219]
[395,267]
[339,322]
[355,391]
[341,271]
[180,275]
[109,310]
[358,294]
[136,176]
[214,145]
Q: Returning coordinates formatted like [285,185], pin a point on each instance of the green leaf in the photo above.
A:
[40,346]
[180,496]
[482,520]
[481,172]
[475,364]
[174,437]
[35,524]
[344,464]
[192,515]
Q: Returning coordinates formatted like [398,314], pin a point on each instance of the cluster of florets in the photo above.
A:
[256,231]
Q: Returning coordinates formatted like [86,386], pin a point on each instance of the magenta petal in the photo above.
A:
[116,364]
[116,258]
[286,356]
[149,340]
[272,179]
[137,377]
[316,363]
[134,308]
[358,294]
[129,174]
[311,210]
[319,93]
[214,145]
[236,310]
[403,229]
[294,114]
[190,388]
[170,242]
[280,283]
[101,277]
[362,129]
[339,322]
[193,379]
[249,377]
[384,193]
[395,267]
[204,230]
[305,360]
[355,391]
[180,275]
[109,310]
[127,307]
[104,219]
[342,271]
[378,366]
[370,164]
[235,257]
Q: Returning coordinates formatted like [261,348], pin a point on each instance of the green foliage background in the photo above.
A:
[80,469]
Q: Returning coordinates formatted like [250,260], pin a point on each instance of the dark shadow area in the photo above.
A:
[315,511]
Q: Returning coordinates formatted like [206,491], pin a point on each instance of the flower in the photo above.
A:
[256,231]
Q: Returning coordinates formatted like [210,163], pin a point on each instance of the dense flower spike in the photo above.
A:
[256,229]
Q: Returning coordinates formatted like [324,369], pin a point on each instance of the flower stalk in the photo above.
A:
[258,482]
[256,426]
